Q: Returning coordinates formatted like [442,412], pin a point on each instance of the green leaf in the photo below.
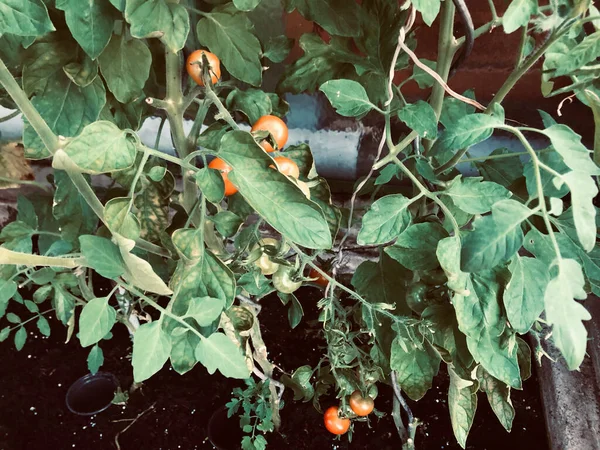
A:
[24,18]
[125,65]
[102,147]
[95,321]
[211,184]
[386,219]
[429,9]
[278,48]
[467,131]
[119,218]
[518,14]
[481,319]
[495,238]
[524,295]
[246,5]
[26,212]
[102,255]
[454,109]
[416,247]
[20,338]
[159,18]
[462,402]
[498,395]
[231,37]
[8,288]
[448,254]
[219,352]
[138,271]
[91,23]
[585,52]
[475,196]
[43,326]
[227,223]
[337,17]
[151,349]
[4,333]
[348,97]
[254,103]
[68,108]
[298,219]
[583,191]
[15,230]
[152,205]
[205,310]
[568,144]
[504,171]
[206,277]
[565,314]
[82,73]
[95,359]
[415,366]
[421,118]
[13,318]
[303,157]
[555,162]
[183,351]
[63,303]
[295,311]
[32,307]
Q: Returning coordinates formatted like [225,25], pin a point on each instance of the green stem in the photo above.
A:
[25,259]
[539,185]
[506,155]
[12,115]
[43,313]
[493,9]
[446,50]
[395,149]
[222,110]
[25,182]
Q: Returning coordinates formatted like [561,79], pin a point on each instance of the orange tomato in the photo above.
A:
[362,406]
[194,66]
[224,168]
[287,166]
[320,279]
[334,423]
[276,127]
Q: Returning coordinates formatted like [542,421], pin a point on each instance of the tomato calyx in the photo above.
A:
[203,65]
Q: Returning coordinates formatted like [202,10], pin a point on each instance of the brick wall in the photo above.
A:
[491,62]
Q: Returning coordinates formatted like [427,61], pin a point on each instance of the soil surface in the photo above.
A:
[34,381]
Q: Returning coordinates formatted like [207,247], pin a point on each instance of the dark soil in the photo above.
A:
[33,414]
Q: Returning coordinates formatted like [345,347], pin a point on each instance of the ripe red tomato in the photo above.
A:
[334,423]
[224,168]
[320,279]
[276,127]
[362,406]
[195,70]
[287,167]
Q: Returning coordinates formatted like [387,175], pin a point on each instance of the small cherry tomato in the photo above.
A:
[415,298]
[320,279]
[276,127]
[224,168]
[435,277]
[194,66]
[283,281]
[362,406]
[334,423]
[264,263]
[287,166]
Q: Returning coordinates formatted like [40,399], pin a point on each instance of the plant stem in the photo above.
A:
[395,149]
[25,182]
[446,49]
[25,259]
[222,110]
[506,155]
[493,9]
[37,315]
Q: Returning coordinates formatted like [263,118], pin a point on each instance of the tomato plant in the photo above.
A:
[334,423]
[468,252]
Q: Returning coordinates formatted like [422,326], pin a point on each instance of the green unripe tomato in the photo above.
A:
[264,263]
[415,297]
[435,277]
[283,281]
